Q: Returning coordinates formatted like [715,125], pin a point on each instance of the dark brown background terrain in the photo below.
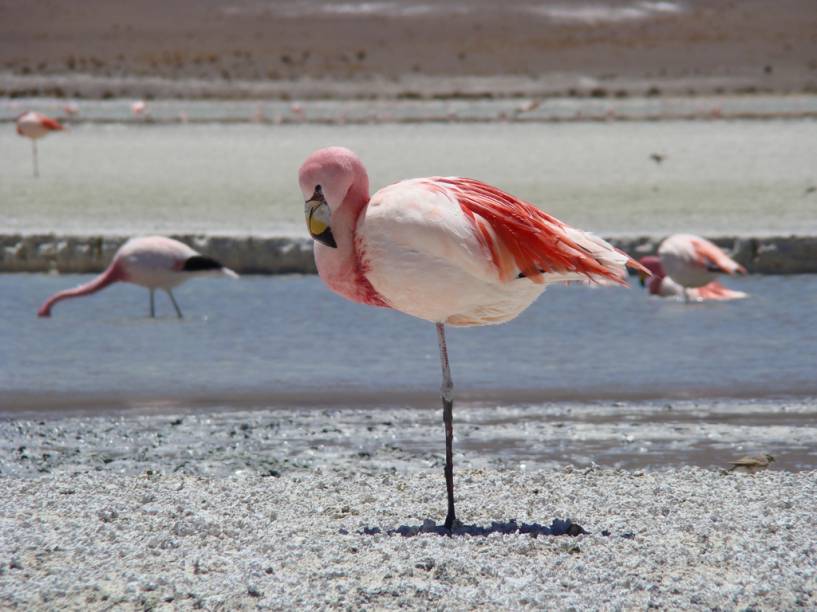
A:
[692,46]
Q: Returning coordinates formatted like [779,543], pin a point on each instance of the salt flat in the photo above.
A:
[721,178]
[283,510]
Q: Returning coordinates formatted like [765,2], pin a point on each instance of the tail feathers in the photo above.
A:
[522,239]
[612,259]
[714,258]
[716,291]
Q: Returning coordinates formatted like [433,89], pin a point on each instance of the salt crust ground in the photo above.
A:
[99,534]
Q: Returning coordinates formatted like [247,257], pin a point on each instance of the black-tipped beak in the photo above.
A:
[318,219]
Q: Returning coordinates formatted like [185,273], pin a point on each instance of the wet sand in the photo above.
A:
[212,440]
[316,508]
[226,49]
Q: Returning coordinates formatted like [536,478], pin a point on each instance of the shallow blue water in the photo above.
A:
[289,337]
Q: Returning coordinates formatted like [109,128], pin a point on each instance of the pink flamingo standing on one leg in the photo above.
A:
[154,262]
[448,250]
[663,286]
[35,125]
[692,261]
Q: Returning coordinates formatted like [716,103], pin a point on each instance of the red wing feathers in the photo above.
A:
[50,123]
[709,254]
[527,238]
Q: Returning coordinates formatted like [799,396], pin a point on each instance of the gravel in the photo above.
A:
[115,516]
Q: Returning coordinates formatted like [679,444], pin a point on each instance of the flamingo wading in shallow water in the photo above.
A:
[35,125]
[448,250]
[153,262]
[663,286]
[692,261]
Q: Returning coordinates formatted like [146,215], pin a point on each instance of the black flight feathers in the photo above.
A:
[198,263]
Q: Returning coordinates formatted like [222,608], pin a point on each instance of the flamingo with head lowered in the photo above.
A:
[153,262]
[663,286]
[452,251]
[35,125]
[693,262]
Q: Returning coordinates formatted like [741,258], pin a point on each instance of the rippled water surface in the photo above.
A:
[288,340]
[717,178]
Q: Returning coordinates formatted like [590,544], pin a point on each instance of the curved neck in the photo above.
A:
[345,218]
[111,275]
[340,268]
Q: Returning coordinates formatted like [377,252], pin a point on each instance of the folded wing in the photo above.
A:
[523,240]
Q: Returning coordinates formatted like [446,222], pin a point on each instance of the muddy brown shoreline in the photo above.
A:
[168,48]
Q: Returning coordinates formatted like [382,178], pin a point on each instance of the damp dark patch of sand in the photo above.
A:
[208,440]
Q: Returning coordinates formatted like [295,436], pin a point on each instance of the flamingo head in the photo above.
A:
[327,179]
[653,264]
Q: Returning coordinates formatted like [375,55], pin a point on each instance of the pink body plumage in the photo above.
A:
[448,250]
[452,251]
[663,286]
[35,125]
[693,261]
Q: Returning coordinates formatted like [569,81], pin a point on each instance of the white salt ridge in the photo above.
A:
[600,13]
[578,12]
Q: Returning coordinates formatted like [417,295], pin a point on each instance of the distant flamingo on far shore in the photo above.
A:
[692,261]
[70,109]
[153,262]
[663,286]
[139,108]
[35,125]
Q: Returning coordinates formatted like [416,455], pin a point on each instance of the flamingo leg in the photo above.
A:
[34,158]
[152,305]
[447,393]
[175,305]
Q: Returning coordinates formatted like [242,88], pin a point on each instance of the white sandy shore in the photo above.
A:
[111,512]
